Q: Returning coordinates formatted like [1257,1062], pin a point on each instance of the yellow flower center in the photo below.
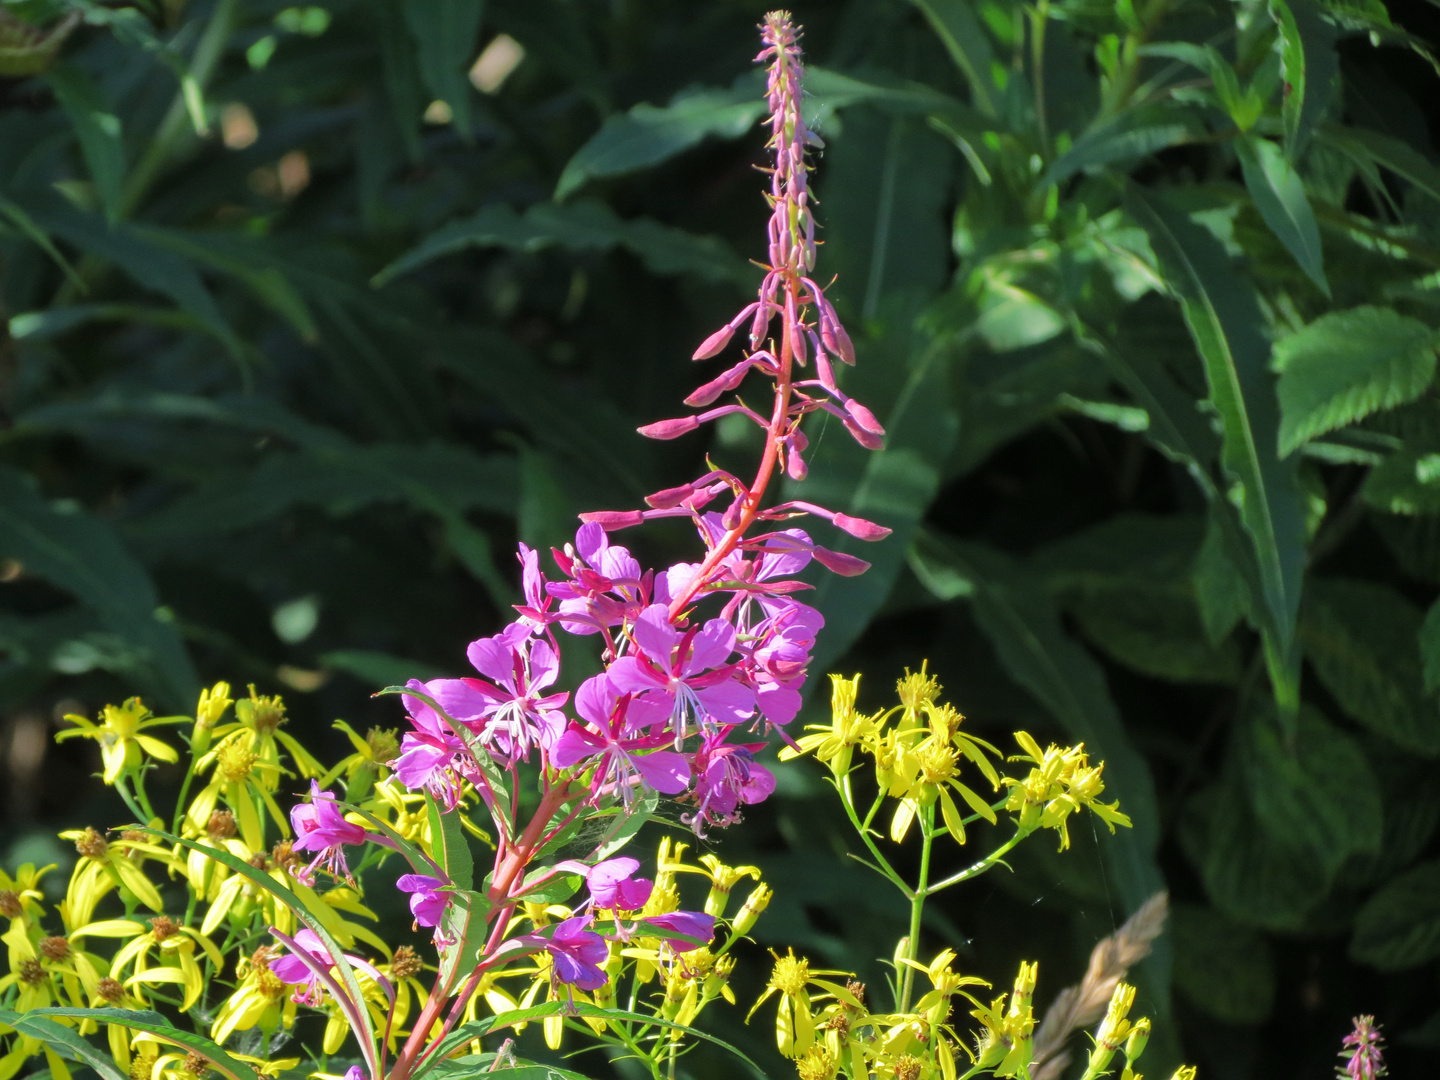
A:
[817,1063]
[236,762]
[937,762]
[384,747]
[10,905]
[54,948]
[92,845]
[790,974]
[918,689]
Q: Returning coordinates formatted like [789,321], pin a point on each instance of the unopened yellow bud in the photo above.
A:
[755,904]
[1184,1072]
[1139,1036]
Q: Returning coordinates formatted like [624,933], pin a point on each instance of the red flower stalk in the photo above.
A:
[809,328]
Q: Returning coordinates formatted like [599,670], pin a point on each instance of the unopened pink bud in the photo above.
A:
[864,417]
[713,344]
[670,497]
[729,380]
[860,528]
[760,324]
[795,466]
[798,346]
[610,520]
[670,429]
[867,439]
[839,562]
[731,518]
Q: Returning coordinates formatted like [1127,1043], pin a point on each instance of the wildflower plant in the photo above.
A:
[238,927]
[912,769]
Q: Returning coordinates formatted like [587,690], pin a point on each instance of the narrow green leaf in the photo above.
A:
[465,1032]
[1399,927]
[1310,66]
[27,227]
[1131,135]
[259,878]
[1399,157]
[1226,324]
[65,1040]
[586,225]
[964,38]
[647,135]
[156,1024]
[1279,195]
[83,556]
[1430,648]
[445,46]
[98,129]
[1348,364]
[451,848]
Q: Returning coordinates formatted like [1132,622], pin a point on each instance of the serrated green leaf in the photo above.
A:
[1249,874]
[98,129]
[1399,927]
[158,1025]
[1361,639]
[64,1039]
[1348,364]
[1226,324]
[586,225]
[1222,967]
[1279,195]
[1316,793]
[83,556]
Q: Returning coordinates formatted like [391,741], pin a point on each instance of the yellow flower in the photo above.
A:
[367,764]
[118,734]
[1006,1044]
[792,979]
[260,999]
[834,743]
[103,866]
[20,896]
[1061,782]
[208,710]
[244,781]
[175,945]
[934,1006]
[256,730]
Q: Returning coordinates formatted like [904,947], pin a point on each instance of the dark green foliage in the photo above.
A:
[1143,293]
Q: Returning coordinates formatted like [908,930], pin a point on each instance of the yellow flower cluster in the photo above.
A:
[183,929]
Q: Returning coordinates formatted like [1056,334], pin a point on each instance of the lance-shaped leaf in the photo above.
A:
[1224,318]
[958,29]
[1310,66]
[152,1022]
[1134,133]
[444,33]
[360,1016]
[65,1040]
[82,555]
[98,129]
[1279,195]
[1348,364]
[466,1032]
[1370,148]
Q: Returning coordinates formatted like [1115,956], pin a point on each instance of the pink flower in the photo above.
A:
[725,777]
[612,886]
[427,902]
[320,826]
[431,756]
[308,959]
[510,714]
[614,735]
[692,924]
[1365,1047]
[686,670]
[577,953]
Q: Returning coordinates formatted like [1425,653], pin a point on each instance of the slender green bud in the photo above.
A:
[755,903]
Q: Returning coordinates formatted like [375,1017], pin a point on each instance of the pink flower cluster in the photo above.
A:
[678,687]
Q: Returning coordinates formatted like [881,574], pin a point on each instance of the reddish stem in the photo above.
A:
[779,418]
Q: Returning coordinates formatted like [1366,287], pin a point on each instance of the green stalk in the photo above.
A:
[917,905]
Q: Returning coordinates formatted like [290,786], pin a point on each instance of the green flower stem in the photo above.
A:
[976,869]
[847,799]
[140,816]
[917,904]
[180,803]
